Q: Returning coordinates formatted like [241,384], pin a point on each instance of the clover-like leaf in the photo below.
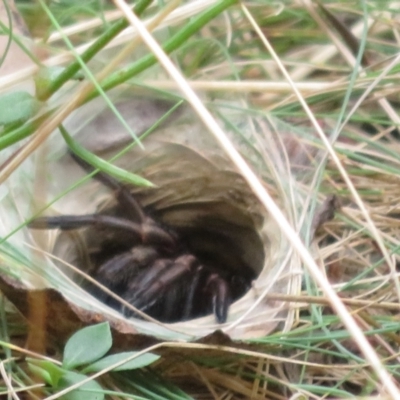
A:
[17,106]
[141,361]
[89,391]
[87,345]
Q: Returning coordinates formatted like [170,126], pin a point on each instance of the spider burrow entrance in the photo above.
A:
[174,263]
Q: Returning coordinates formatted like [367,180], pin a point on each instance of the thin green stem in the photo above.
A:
[88,73]
[21,132]
[172,44]
[123,75]
[100,43]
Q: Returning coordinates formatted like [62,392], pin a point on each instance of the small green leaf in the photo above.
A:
[60,379]
[141,361]
[41,373]
[87,345]
[88,391]
[46,370]
[102,165]
[17,107]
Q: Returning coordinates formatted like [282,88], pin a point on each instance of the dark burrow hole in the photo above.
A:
[228,253]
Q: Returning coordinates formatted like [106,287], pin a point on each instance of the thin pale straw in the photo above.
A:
[263,195]
[341,310]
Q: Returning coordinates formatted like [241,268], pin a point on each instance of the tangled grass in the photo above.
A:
[324,76]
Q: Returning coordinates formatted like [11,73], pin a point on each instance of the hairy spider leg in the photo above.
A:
[68,222]
[142,283]
[180,268]
[170,307]
[146,234]
[219,289]
[116,272]
[122,267]
[122,193]
[188,309]
[129,204]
